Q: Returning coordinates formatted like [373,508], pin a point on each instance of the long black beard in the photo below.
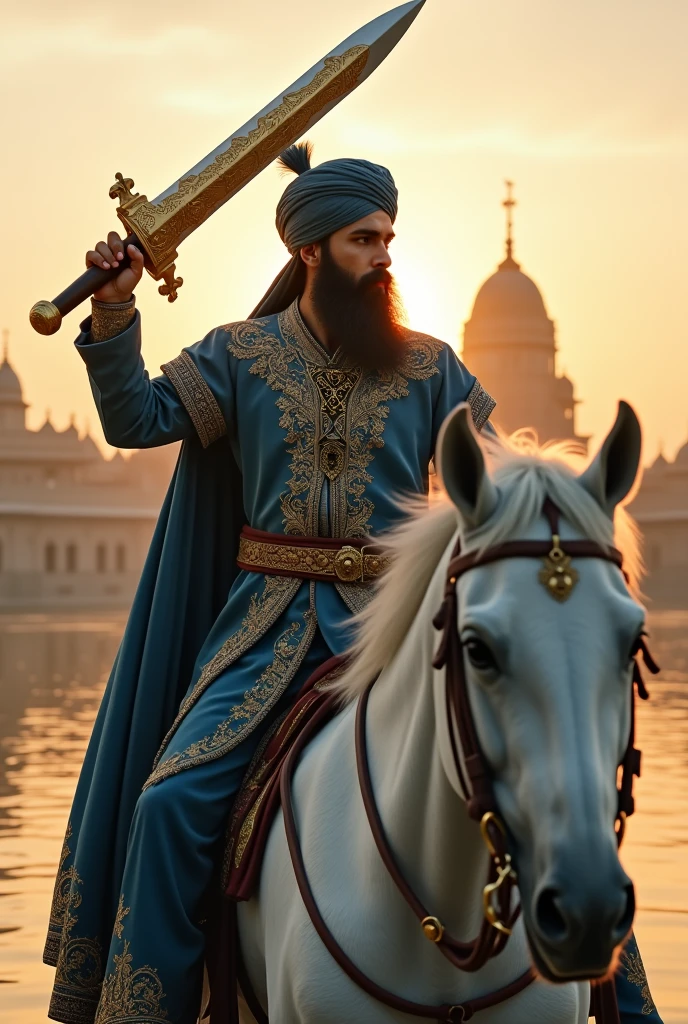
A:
[360,317]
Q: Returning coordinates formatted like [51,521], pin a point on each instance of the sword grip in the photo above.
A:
[46,317]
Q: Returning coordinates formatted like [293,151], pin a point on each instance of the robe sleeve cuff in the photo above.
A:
[108,319]
[110,362]
[196,397]
[482,405]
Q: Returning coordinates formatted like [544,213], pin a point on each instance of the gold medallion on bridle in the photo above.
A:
[558,576]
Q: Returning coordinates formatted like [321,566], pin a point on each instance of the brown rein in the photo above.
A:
[476,783]
[446,1013]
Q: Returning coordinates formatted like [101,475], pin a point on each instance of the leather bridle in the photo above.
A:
[475,779]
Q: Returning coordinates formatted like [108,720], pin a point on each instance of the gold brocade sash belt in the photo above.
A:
[349,560]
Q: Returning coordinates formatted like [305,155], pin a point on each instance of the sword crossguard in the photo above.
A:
[129,201]
[171,285]
[122,189]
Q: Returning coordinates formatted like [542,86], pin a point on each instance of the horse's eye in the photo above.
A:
[480,655]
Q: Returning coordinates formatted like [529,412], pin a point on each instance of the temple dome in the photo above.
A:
[509,294]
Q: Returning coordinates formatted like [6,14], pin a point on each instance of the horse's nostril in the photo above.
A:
[550,920]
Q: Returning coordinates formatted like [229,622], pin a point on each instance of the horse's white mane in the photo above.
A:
[525,474]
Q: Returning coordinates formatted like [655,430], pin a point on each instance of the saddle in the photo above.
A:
[252,816]
[259,797]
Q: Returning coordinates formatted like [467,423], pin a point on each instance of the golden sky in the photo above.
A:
[584,105]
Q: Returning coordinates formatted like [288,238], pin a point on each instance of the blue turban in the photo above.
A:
[326,198]
[321,200]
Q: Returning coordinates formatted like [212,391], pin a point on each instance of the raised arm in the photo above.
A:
[192,396]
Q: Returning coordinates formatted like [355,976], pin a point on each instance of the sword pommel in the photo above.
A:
[45,317]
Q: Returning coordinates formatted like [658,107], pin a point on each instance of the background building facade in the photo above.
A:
[661,510]
[74,527]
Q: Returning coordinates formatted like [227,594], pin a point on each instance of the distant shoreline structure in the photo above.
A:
[74,527]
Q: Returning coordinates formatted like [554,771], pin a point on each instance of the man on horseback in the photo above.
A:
[305,422]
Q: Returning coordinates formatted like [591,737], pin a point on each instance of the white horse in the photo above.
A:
[549,686]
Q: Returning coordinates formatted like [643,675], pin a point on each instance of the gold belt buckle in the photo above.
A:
[348,564]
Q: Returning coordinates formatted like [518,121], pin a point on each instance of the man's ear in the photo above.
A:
[461,465]
[612,472]
[311,254]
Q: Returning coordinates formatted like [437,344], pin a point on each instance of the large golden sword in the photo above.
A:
[158,227]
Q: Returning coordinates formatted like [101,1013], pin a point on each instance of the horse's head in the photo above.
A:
[549,684]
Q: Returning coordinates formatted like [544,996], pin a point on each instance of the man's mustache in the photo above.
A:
[373,277]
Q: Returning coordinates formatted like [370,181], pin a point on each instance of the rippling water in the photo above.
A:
[52,673]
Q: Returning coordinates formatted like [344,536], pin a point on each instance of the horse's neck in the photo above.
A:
[436,844]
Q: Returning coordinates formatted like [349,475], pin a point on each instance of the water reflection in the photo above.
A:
[52,673]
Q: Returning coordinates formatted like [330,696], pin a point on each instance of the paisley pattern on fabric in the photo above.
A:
[78,960]
[635,972]
[130,993]
[332,414]
[289,650]
[264,610]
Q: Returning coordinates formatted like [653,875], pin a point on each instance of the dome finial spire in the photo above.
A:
[508,204]
[5,345]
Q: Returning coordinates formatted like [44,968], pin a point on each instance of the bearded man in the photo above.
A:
[305,422]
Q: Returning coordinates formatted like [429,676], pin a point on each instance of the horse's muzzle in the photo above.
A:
[575,928]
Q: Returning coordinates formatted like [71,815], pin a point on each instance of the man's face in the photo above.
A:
[353,293]
[363,247]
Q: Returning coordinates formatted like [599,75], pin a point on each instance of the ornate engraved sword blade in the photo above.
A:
[161,225]
[166,221]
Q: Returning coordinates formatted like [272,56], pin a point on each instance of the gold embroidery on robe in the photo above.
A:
[264,610]
[482,405]
[289,650]
[196,397]
[635,972]
[77,959]
[333,415]
[63,898]
[356,596]
[282,366]
[130,992]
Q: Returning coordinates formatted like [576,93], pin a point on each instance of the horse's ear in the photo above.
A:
[611,474]
[461,464]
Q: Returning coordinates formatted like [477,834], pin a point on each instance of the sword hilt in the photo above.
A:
[46,317]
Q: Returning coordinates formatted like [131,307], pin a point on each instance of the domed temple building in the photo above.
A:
[509,344]
[74,526]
